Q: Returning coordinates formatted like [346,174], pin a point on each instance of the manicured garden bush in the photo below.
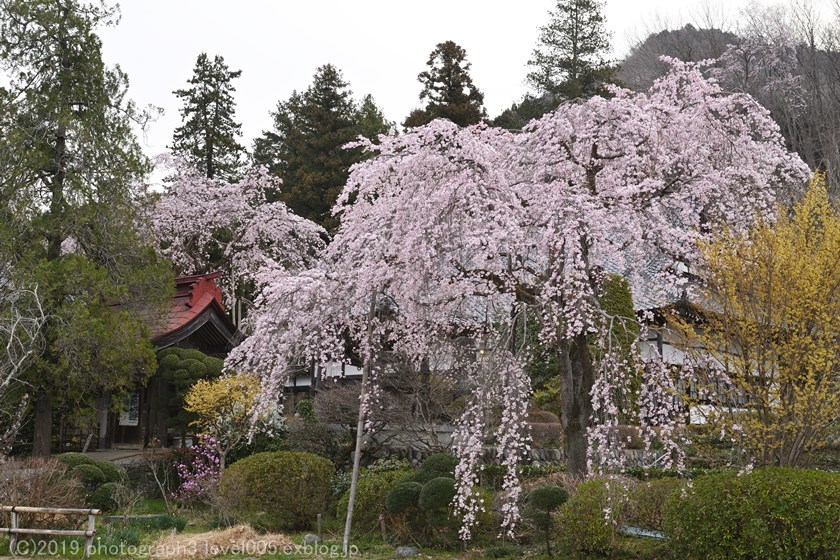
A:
[646,506]
[89,474]
[403,496]
[492,476]
[278,490]
[73,459]
[583,520]
[541,503]
[435,466]
[107,496]
[112,472]
[371,492]
[505,550]
[779,513]
[435,499]
[437,494]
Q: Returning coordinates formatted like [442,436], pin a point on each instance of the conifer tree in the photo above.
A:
[570,59]
[449,89]
[208,136]
[73,172]
[306,147]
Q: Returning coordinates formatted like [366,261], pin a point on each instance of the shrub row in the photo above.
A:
[280,490]
[778,513]
[769,513]
[104,481]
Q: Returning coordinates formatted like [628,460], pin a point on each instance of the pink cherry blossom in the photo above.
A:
[461,235]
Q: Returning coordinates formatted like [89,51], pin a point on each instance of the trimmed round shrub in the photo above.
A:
[372,490]
[781,513]
[437,465]
[646,507]
[112,472]
[547,498]
[106,496]
[437,494]
[90,475]
[278,490]
[73,459]
[582,520]
[403,496]
[542,501]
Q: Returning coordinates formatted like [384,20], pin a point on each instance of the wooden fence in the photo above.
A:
[14,530]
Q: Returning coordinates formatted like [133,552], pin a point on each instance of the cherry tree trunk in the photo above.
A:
[360,430]
[578,376]
[42,436]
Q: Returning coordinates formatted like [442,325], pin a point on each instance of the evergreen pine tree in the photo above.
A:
[449,89]
[73,172]
[570,59]
[306,146]
[208,136]
[521,113]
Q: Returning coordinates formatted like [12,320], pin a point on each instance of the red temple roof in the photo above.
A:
[196,309]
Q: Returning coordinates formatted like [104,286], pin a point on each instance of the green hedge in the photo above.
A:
[371,492]
[278,490]
[437,494]
[648,500]
[582,520]
[90,475]
[778,513]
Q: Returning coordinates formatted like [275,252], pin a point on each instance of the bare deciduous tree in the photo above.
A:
[21,320]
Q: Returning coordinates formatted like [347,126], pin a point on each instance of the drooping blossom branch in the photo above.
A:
[461,230]
[204,225]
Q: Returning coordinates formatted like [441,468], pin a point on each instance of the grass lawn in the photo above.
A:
[110,545]
[134,539]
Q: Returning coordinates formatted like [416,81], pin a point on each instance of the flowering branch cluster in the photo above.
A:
[200,474]
[206,224]
[461,234]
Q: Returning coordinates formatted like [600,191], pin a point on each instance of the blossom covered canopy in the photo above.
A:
[450,223]
[205,224]
[455,232]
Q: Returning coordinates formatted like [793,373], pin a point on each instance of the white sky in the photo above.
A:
[380,46]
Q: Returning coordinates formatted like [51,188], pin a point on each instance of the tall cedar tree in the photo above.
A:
[569,61]
[73,171]
[208,137]
[449,89]
[306,148]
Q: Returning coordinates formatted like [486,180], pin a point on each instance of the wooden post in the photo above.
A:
[320,534]
[87,443]
[382,528]
[91,531]
[13,534]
